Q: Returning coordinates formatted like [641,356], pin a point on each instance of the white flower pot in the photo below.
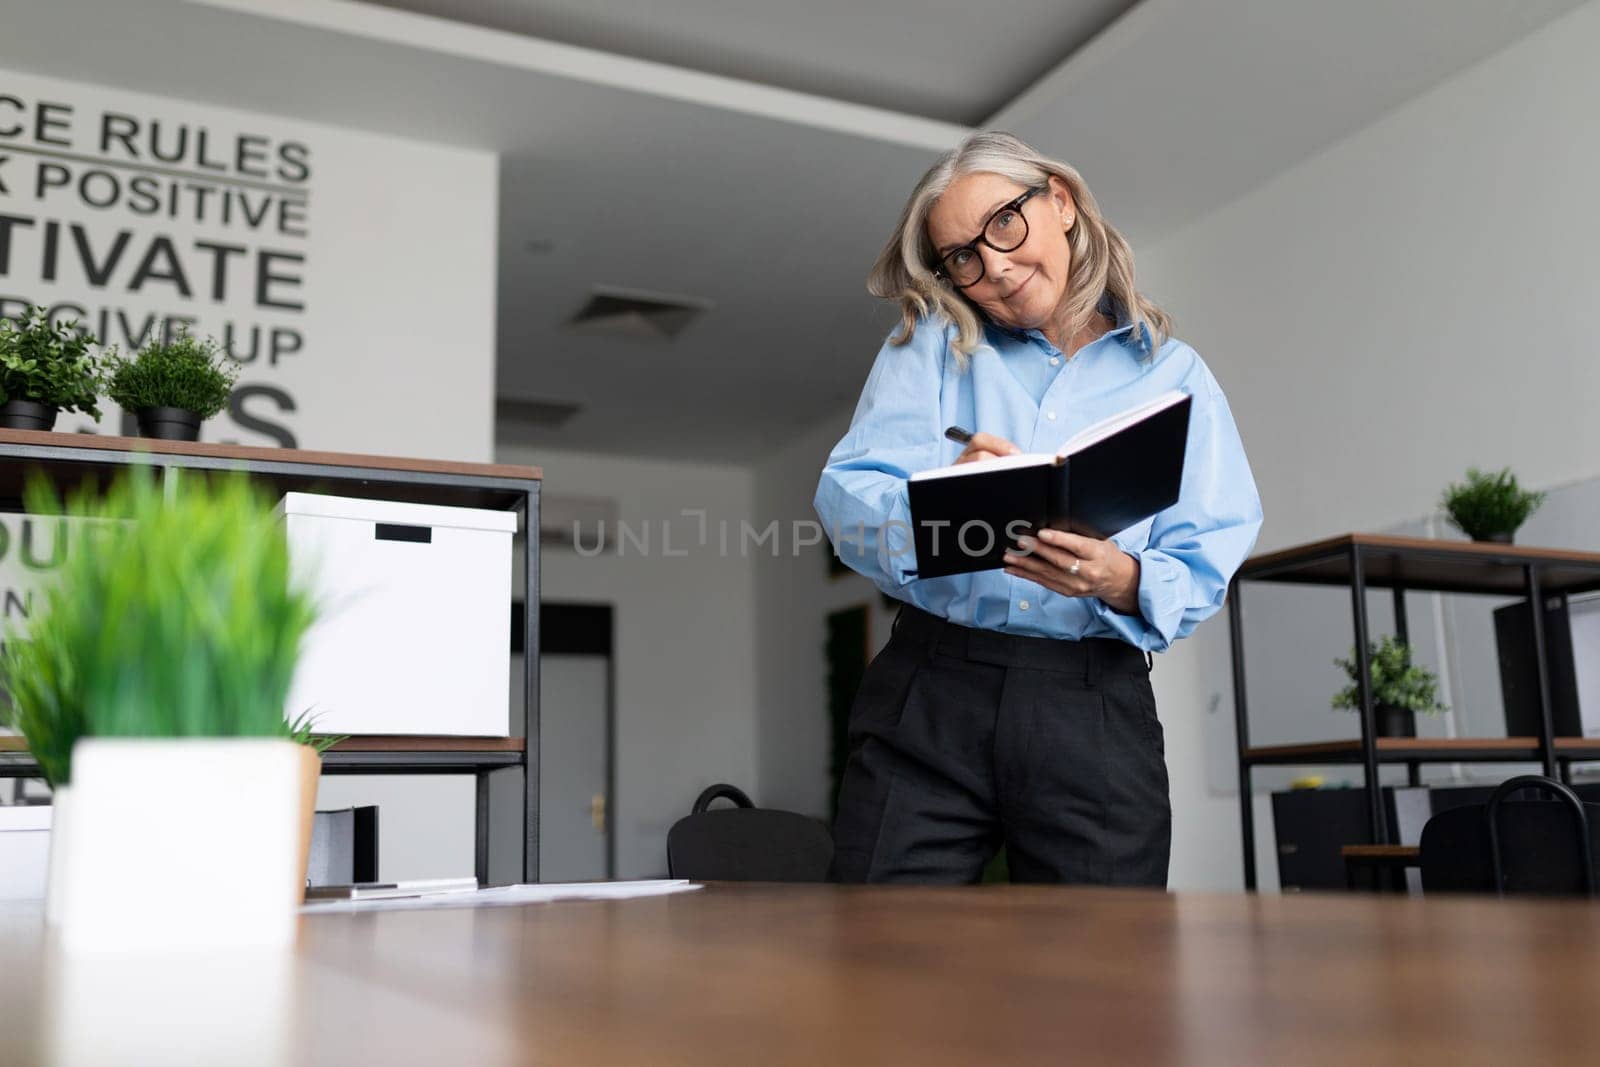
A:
[174,845]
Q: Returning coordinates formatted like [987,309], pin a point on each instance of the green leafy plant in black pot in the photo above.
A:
[1489,507]
[1400,688]
[174,385]
[46,368]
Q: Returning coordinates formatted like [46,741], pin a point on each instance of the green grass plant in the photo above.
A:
[175,614]
[1487,505]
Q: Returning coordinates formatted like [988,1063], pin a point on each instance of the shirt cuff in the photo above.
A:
[897,551]
[1162,581]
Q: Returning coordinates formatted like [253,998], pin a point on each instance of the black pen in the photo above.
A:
[958,435]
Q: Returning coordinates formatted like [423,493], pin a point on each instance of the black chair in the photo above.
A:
[1514,846]
[747,843]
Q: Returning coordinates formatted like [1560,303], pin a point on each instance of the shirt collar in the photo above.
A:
[1111,309]
[1114,311]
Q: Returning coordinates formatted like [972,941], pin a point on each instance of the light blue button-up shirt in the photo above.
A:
[1021,387]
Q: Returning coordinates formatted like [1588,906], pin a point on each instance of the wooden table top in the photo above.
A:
[832,975]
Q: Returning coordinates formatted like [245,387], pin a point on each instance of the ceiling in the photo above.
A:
[755,162]
[943,59]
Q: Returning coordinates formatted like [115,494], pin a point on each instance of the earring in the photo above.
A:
[1067,222]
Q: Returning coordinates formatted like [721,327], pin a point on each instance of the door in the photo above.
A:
[575,742]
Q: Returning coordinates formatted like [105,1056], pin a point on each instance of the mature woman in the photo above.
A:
[1014,706]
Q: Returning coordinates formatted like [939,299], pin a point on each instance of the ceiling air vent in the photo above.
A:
[585,522]
[632,313]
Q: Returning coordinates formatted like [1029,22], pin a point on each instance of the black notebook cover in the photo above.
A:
[966,522]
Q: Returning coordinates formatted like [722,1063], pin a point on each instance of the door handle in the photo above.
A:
[597,812]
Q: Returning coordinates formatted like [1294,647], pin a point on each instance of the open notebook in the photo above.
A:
[1111,475]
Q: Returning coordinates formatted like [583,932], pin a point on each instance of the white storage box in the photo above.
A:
[415,629]
[24,850]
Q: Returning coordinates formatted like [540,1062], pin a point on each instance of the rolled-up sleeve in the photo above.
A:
[861,497]
[1197,545]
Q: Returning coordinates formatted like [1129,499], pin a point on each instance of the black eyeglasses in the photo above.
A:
[1005,231]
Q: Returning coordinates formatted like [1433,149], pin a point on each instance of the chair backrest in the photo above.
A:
[1514,846]
[746,843]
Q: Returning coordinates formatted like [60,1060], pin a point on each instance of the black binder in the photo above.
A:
[1114,474]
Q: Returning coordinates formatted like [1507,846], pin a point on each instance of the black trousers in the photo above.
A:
[962,740]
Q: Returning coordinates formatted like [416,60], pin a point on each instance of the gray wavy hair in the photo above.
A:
[1102,262]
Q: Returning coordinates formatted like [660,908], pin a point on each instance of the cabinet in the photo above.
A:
[70,460]
[1374,561]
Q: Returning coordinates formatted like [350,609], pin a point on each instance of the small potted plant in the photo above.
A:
[46,368]
[173,385]
[150,683]
[1489,507]
[1400,688]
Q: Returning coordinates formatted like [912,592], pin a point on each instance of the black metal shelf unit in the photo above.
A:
[69,460]
[1363,561]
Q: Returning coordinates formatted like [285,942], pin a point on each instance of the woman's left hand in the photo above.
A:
[1073,565]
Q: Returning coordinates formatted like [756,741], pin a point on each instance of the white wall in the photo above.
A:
[1409,302]
[684,661]
[795,594]
[685,653]
[1404,304]
[370,259]
[391,252]
[1413,300]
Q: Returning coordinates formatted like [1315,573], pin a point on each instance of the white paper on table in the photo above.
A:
[502,896]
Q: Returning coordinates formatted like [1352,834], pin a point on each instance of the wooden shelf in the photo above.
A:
[1424,750]
[1427,565]
[73,462]
[1362,562]
[377,743]
[69,461]
[251,454]
[1381,852]
[429,743]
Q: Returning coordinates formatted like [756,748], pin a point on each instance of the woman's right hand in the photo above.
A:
[986,446]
